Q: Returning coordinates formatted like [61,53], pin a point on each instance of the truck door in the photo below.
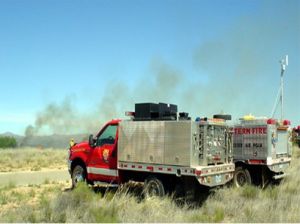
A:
[103,162]
[282,143]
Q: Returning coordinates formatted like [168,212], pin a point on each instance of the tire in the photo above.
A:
[78,175]
[154,187]
[223,116]
[241,177]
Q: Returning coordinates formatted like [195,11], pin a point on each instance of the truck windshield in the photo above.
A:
[108,136]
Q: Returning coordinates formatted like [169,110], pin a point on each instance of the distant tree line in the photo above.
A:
[8,142]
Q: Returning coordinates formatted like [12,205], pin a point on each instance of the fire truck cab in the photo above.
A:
[96,160]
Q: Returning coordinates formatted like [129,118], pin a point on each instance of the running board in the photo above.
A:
[105,184]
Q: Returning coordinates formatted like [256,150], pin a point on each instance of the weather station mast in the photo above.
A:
[279,98]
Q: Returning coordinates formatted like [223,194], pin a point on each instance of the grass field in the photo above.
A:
[33,159]
[49,202]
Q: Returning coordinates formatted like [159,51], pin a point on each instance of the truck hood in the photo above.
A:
[81,145]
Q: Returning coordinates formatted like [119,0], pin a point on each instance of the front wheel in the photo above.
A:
[241,177]
[154,187]
[78,175]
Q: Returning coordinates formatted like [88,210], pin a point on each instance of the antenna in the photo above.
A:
[284,63]
[287,60]
[279,98]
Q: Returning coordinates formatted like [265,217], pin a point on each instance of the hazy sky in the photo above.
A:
[94,59]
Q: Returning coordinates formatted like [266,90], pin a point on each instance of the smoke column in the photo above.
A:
[239,68]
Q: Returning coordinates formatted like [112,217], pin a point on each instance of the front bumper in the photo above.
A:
[69,166]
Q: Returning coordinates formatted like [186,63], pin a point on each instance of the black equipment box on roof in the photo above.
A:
[154,111]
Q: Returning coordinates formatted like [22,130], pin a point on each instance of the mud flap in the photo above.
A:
[265,177]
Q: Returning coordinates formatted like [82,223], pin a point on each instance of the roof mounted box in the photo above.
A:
[154,111]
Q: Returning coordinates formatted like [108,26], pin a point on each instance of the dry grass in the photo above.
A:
[34,159]
[276,203]
[20,204]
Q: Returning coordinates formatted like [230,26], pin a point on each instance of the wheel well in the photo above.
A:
[167,179]
[256,171]
[253,169]
[240,164]
[76,162]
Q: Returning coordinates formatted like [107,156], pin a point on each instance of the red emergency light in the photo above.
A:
[271,121]
[286,122]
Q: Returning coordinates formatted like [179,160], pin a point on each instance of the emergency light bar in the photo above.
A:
[216,120]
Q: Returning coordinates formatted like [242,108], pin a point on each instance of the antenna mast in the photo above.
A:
[279,98]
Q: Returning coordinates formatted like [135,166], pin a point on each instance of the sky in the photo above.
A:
[67,66]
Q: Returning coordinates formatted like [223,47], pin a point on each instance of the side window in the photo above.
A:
[108,136]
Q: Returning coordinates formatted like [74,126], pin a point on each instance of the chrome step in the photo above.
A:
[105,184]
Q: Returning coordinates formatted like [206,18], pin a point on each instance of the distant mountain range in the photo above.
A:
[46,141]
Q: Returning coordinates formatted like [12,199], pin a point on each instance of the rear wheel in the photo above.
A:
[154,187]
[241,177]
[78,175]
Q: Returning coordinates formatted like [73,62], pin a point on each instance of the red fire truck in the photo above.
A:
[159,147]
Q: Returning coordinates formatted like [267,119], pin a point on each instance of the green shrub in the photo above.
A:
[249,192]
[3,199]
[8,142]
[103,215]
[219,215]
[45,209]
[46,181]
[249,214]
[199,218]
[272,192]
[9,186]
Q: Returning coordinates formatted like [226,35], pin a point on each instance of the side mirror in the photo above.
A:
[91,141]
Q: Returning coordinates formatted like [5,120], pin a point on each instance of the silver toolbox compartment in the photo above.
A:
[155,142]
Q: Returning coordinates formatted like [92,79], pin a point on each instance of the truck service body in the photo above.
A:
[158,148]
[261,150]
